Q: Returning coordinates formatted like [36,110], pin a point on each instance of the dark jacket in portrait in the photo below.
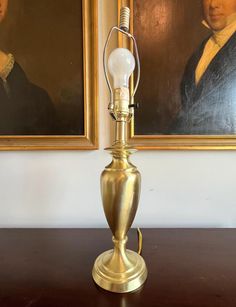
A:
[25,109]
[210,106]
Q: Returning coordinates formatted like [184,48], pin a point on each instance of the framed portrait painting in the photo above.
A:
[48,74]
[187,91]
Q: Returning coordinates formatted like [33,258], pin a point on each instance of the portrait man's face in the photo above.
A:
[216,12]
[3,9]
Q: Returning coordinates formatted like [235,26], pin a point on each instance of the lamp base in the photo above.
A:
[128,279]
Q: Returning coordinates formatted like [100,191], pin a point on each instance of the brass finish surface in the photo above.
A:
[120,270]
[120,187]
[129,276]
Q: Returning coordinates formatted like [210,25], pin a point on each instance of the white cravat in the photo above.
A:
[213,46]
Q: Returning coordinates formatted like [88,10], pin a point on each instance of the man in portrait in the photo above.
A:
[25,108]
[208,87]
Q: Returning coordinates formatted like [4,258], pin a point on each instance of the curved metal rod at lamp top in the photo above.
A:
[130,36]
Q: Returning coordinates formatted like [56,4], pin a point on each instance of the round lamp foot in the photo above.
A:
[110,274]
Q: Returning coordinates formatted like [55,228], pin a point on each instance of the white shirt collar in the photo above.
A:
[221,37]
[8,67]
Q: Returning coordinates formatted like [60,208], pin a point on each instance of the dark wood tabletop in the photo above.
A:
[52,268]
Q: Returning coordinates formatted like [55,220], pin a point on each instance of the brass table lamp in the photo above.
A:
[120,270]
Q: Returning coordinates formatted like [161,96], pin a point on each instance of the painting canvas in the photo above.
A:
[187,93]
[45,64]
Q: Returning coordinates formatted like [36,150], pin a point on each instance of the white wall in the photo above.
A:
[61,188]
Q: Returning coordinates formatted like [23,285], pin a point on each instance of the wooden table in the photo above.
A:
[52,268]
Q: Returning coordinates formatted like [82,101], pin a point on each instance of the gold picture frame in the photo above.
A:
[172,142]
[89,139]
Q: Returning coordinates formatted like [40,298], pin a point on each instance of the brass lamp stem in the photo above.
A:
[120,270]
[121,132]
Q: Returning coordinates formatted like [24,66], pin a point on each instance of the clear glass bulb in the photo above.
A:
[121,64]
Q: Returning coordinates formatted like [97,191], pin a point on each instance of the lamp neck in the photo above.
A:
[122,115]
[121,132]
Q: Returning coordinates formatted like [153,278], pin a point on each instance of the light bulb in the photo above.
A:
[121,64]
